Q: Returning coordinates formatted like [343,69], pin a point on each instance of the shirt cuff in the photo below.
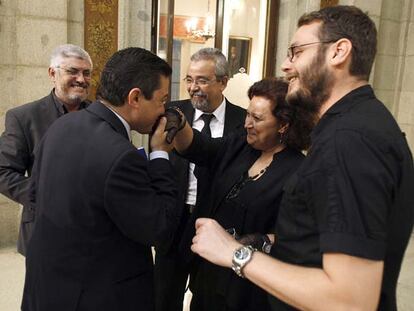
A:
[159,154]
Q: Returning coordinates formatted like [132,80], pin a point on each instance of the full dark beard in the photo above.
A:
[316,86]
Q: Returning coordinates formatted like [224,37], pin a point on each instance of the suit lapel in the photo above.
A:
[232,121]
[109,116]
[188,111]
[49,109]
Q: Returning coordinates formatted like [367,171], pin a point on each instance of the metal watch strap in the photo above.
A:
[237,266]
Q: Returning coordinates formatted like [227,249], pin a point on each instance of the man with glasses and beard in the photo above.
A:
[206,79]
[348,212]
[70,72]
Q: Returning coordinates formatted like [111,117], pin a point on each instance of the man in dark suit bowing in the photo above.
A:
[210,112]
[100,204]
[70,71]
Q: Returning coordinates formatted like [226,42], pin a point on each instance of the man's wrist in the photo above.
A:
[158,154]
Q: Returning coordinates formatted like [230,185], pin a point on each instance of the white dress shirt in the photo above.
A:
[154,154]
[217,129]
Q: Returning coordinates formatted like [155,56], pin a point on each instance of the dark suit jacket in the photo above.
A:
[24,127]
[100,205]
[253,210]
[172,266]
[234,121]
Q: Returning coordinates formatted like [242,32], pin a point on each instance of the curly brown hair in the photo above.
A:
[300,121]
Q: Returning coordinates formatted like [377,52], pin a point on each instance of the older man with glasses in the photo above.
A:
[70,72]
[211,113]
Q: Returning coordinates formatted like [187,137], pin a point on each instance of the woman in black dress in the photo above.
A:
[247,173]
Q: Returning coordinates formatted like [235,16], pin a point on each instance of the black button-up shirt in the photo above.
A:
[353,194]
[62,108]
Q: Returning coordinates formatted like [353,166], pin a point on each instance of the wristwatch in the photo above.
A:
[241,257]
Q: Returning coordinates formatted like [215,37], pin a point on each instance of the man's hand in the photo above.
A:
[213,243]
[158,140]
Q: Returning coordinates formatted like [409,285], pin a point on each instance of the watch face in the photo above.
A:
[241,257]
[242,253]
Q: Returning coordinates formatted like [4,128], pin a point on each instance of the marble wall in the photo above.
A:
[29,30]
[405,111]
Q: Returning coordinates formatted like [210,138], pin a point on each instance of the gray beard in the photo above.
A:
[202,105]
[76,99]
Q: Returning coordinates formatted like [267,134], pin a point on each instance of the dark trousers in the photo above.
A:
[170,283]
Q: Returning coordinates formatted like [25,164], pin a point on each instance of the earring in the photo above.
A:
[282,138]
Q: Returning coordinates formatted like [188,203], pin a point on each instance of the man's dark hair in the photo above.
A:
[130,68]
[300,121]
[348,22]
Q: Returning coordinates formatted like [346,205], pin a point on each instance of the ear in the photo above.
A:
[283,128]
[341,52]
[224,81]
[52,73]
[134,98]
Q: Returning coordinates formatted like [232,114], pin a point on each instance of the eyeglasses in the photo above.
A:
[73,72]
[198,82]
[292,52]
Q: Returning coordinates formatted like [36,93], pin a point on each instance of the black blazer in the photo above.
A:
[24,127]
[254,210]
[100,205]
[234,121]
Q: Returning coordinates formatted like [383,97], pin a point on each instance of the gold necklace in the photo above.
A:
[258,175]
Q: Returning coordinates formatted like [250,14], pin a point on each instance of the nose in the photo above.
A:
[80,77]
[248,122]
[286,65]
[193,86]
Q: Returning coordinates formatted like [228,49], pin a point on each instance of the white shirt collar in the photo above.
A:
[125,123]
[218,113]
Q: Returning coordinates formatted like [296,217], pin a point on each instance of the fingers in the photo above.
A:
[213,243]
[202,221]
[161,126]
[171,134]
[159,136]
[199,225]
[194,248]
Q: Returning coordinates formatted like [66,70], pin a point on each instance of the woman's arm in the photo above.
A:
[183,138]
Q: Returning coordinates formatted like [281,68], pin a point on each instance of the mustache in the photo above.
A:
[290,75]
[201,94]
[81,84]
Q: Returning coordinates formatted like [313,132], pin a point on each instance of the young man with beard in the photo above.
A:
[70,72]
[206,79]
[348,213]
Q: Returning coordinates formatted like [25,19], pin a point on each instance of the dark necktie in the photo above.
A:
[207,119]
[205,131]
